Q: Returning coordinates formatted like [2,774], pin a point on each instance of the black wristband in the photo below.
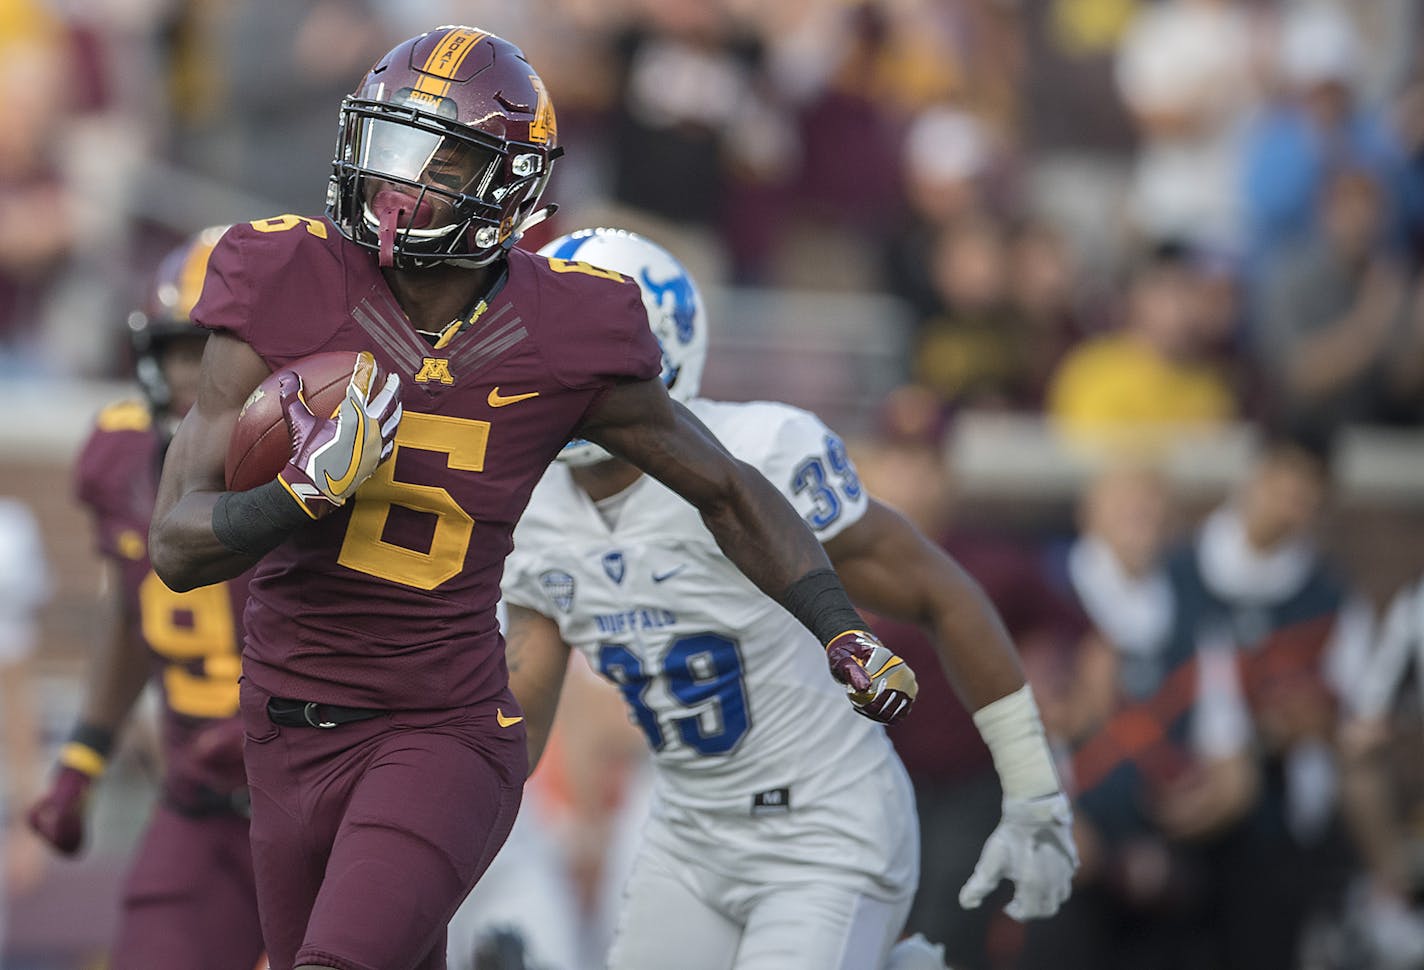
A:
[820,602]
[98,739]
[255,522]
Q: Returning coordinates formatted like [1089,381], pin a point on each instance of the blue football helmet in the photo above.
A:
[675,310]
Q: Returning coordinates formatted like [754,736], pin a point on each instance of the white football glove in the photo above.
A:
[1033,848]
[332,455]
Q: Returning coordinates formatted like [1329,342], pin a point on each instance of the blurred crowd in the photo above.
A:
[1132,217]
[1114,211]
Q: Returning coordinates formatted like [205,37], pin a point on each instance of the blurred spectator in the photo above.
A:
[1116,571]
[956,789]
[971,349]
[24,588]
[694,110]
[37,227]
[1380,744]
[1077,137]
[1004,314]
[272,70]
[1154,377]
[1249,847]
[1184,71]
[1333,310]
[1164,758]
[1255,575]
[1410,114]
[881,63]
[1315,126]
[1046,296]
[948,168]
[1406,365]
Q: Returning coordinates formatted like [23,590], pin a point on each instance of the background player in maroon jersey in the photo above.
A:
[189,901]
[385,753]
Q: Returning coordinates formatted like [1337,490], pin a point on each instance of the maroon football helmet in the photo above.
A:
[443,151]
[165,315]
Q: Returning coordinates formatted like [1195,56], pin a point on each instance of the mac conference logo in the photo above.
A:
[559,585]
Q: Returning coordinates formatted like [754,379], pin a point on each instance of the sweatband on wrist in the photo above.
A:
[1013,731]
[255,522]
[820,602]
[87,750]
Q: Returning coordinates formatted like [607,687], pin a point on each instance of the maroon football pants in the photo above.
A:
[188,900]
[366,837]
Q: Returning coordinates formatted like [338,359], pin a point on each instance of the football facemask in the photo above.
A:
[443,152]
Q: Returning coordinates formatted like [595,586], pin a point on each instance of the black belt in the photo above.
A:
[293,713]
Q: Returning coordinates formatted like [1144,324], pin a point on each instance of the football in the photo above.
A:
[260,443]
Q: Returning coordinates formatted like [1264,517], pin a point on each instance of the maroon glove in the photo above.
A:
[881,686]
[58,817]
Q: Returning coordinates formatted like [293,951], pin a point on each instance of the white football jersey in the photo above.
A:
[733,694]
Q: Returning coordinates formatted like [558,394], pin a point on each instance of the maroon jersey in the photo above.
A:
[194,637]
[389,602]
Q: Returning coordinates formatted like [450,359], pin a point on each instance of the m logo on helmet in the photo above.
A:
[434,369]
[543,128]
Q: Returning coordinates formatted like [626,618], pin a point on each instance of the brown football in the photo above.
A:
[260,443]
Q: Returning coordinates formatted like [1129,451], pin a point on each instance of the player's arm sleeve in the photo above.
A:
[808,462]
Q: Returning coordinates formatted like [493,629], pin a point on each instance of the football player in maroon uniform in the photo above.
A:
[385,753]
[189,901]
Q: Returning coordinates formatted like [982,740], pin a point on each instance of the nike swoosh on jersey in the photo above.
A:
[660,577]
[498,400]
[505,722]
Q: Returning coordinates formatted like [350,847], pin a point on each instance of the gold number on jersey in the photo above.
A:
[463,442]
[282,223]
[587,269]
[187,627]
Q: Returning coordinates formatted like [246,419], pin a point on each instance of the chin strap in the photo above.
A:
[533,219]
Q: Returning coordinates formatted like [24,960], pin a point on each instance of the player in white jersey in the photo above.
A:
[783,831]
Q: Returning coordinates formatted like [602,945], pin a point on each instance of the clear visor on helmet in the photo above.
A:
[414,155]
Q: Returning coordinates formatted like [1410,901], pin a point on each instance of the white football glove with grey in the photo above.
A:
[1033,848]
[332,455]
[1033,844]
